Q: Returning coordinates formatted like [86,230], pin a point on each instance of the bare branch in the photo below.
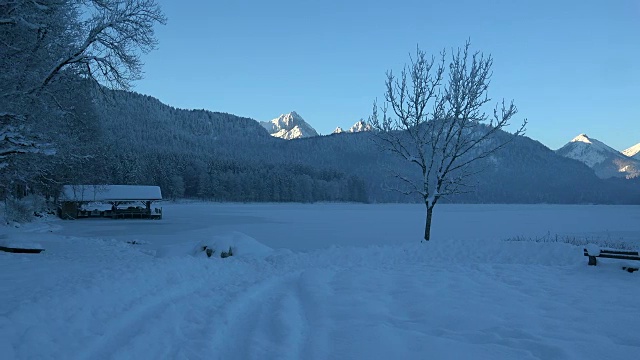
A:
[441,126]
[116,28]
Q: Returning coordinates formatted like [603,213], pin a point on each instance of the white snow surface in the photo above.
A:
[593,249]
[633,151]
[322,281]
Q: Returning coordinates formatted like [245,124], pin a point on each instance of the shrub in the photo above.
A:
[576,240]
[17,210]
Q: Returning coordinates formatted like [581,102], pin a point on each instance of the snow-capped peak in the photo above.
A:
[584,149]
[605,160]
[584,141]
[582,138]
[289,126]
[360,126]
[633,151]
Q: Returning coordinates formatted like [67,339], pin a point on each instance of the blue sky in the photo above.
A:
[571,66]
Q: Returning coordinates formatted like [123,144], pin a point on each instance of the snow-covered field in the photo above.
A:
[323,281]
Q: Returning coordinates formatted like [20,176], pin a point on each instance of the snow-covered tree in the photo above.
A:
[439,124]
[48,47]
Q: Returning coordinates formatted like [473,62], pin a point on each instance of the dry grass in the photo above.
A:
[580,240]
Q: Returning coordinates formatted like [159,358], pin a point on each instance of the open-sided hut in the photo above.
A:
[110,201]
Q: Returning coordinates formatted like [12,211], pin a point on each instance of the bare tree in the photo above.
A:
[111,39]
[438,123]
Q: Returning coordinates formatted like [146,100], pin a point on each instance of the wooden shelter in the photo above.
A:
[109,201]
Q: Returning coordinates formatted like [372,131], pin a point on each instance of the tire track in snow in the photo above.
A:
[167,311]
[94,319]
[181,320]
[280,318]
[184,331]
[120,331]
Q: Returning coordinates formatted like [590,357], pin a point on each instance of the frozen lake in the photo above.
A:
[358,285]
[304,227]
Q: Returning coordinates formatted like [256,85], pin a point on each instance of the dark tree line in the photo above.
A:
[183,175]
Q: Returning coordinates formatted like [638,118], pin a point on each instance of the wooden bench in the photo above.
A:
[614,254]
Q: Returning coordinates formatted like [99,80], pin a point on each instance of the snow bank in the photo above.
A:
[443,253]
[34,235]
[20,241]
[240,244]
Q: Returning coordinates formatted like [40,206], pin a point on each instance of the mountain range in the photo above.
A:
[605,161]
[292,126]
[223,157]
[360,126]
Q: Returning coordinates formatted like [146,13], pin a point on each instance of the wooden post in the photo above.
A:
[592,260]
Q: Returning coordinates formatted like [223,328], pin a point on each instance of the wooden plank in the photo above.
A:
[20,250]
[615,256]
[620,252]
[621,257]
[616,252]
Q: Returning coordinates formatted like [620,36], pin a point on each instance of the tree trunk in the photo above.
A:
[427,225]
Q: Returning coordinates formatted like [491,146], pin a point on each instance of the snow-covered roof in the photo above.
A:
[110,193]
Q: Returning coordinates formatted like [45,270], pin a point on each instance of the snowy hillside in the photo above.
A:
[633,151]
[289,126]
[364,292]
[603,159]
